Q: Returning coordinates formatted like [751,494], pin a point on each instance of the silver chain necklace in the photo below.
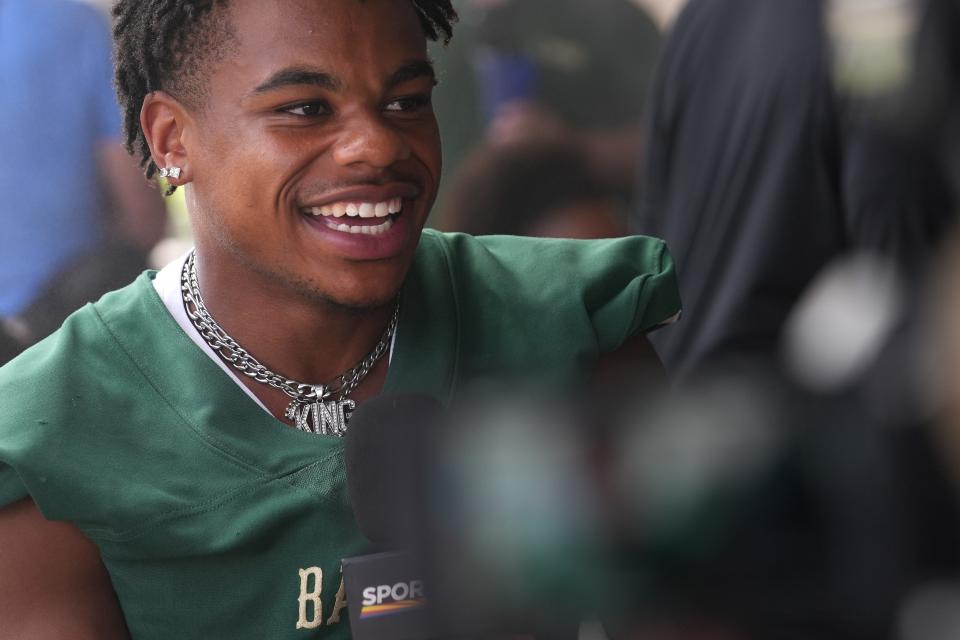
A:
[312,408]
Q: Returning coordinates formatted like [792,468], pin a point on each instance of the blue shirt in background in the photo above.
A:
[57,107]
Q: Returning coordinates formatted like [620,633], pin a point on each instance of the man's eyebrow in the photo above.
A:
[411,71]
[298,76]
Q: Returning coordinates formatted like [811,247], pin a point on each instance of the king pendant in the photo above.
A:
[328,418]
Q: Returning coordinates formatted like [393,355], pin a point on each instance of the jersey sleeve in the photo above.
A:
[587,295]
[629,286]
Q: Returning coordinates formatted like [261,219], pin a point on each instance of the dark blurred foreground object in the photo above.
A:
[70,191]
[742,507]
[770,158]
[760,171]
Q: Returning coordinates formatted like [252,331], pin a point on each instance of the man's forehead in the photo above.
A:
[330,37]
[273,22]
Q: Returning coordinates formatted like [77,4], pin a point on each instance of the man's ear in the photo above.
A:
[165,122]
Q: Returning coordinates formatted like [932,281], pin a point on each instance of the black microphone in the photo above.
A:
[387,454]
[389,449]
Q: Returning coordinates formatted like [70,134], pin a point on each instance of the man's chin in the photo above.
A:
[361,298]
[358,305]
[357,288]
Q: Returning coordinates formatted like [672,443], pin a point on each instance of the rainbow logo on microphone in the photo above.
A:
[386,599]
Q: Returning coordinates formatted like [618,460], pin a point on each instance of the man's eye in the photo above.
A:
[306,109]
[408,103]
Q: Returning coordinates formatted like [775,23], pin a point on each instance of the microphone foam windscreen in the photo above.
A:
[387,451]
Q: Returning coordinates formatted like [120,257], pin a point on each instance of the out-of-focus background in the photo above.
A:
[802,160]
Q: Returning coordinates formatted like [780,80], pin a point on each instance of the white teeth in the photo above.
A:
[373,230]
[359,209]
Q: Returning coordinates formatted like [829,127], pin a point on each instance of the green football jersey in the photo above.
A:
[214,519]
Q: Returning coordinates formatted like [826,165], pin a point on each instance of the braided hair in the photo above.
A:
[165,45]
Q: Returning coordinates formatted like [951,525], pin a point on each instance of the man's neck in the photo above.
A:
[297,336]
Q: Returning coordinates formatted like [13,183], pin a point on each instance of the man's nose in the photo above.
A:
[367,139]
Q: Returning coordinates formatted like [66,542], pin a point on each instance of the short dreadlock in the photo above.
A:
[161,45]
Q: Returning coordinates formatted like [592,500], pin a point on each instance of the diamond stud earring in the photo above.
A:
[170,172]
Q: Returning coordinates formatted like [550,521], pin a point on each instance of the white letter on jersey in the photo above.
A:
[340,604]
[311,596]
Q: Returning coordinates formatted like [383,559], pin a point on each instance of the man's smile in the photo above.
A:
[368,210]
[359,209]
[371,218]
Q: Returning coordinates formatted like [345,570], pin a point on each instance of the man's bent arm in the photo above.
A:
[53,584]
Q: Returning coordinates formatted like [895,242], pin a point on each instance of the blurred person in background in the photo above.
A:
[495,68]
[566,70]
[76,219]
[759,172]
[535,188]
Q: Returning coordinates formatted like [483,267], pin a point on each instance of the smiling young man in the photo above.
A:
[174,448]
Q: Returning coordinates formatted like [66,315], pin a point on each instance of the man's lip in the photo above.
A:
[365,193]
